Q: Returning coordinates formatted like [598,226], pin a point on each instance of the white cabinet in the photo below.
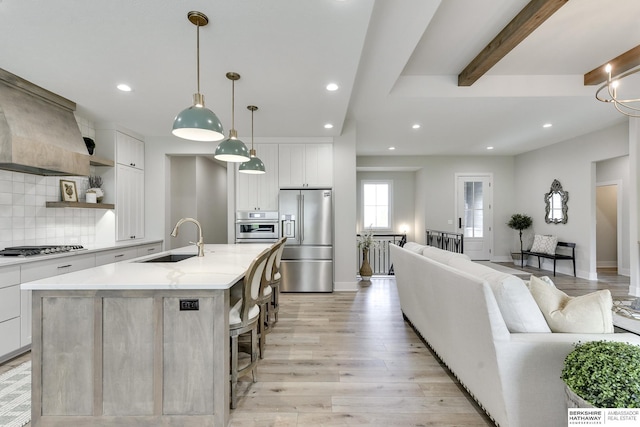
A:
[129,150]
[10,305]
[260,192]
[129,203]
[150,249]
[15,303]
[115,255]
[125,187]
[305,165]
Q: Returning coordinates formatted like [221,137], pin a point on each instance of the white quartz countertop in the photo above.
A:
[17,260]
[220,268]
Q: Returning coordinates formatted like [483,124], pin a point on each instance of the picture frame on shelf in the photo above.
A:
[68,191]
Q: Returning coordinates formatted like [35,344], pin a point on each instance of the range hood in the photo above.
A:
[38,131]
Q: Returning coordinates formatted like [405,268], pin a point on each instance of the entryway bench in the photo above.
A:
[558,255]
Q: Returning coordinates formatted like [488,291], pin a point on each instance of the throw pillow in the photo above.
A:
[590,314]
[544,244]
[518,308]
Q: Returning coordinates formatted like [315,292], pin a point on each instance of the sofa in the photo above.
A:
[481,323]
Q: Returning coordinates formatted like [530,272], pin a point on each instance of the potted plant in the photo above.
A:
[365,243]
[519,222]
[603,374]
[95,186]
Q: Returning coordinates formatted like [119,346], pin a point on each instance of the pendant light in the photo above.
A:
[255,165]
[232,149]
[198,123]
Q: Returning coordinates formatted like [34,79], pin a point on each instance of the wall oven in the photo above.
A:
[257,227]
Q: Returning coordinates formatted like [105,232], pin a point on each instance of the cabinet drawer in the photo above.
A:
[9,276]
[54,267]
[149,249]
[9,336]
[9,302]
[116,255]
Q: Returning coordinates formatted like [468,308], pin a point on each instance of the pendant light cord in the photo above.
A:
[233,104]
[252,130]
[198,53]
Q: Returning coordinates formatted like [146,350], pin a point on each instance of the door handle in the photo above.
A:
[302,218]
[459,222]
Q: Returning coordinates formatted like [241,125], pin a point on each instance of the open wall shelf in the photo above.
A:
[80,205]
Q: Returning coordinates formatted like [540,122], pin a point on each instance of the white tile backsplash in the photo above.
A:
[24,217]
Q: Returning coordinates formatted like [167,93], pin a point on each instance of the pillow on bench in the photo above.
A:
[518,308]
[544,244]
[590,314]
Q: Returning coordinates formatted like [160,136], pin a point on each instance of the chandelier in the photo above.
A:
[628,107]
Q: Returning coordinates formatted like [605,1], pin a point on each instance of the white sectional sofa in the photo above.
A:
[464,311]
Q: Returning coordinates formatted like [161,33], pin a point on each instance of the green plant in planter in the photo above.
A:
[520,222]
[604,373]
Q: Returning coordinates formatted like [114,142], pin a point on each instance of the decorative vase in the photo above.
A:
[575,401]
[365,269]
[99,193]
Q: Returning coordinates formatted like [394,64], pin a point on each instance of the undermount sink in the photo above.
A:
[171,258]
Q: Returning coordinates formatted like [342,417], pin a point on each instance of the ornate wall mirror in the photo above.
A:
[556,204]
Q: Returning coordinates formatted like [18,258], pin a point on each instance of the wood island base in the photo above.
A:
[130,357]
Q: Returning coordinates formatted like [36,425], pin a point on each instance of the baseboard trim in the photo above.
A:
[345,286]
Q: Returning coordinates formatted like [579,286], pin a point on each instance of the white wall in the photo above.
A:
[198,190]
[616,171]
[403,210]
[211,199]
[158,223]
[435,192]
[607,226]
[572,163]
[182,198]
[344,207]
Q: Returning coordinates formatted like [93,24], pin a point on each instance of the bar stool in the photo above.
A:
[243,320]
[264,299]
[275,279]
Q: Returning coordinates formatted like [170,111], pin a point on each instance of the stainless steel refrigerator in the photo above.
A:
[306,220]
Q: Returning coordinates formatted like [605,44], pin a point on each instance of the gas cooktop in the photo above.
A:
[38,250]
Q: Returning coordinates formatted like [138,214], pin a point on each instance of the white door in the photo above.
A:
[474,214]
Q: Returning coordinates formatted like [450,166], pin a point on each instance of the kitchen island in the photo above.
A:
[136,343]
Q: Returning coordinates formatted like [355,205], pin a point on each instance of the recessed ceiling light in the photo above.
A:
[416,126]
[547,125]
[124,87]
[489,148]
[328,126]
[392,148]
[332,87]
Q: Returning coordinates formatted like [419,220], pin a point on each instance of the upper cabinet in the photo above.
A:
[260,191]
[305,165]
[125,185]
[129,151]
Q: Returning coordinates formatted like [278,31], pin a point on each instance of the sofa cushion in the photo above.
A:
[442,256]
[414,247]
[519,310]
[589,313]
[544,244]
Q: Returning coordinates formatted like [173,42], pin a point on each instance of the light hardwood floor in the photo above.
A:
[349,359]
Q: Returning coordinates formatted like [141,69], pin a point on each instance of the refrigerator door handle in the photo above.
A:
[301,218]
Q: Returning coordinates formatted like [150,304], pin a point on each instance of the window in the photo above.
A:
[376,204]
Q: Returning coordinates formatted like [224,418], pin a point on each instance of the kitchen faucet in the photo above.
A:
[200,243]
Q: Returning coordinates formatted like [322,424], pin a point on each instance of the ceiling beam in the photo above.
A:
[525,22]
[620,64]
